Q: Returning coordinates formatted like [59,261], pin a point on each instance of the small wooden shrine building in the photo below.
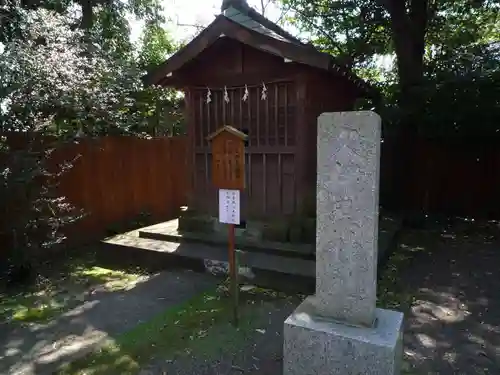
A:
[247,72]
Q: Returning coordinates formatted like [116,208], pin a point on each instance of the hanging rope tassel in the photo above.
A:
[226,95]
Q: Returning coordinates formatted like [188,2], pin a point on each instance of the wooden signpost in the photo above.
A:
[228,175]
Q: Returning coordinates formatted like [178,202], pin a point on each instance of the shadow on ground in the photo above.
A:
[41,348]
[453,326]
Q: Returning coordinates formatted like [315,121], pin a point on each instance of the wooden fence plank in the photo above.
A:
[116,178]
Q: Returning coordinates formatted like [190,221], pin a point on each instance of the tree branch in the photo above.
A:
[334,4]
[263,6]
[331,39]
[190,25]
[363,46]
[284,12]
[87,14]
[397,11]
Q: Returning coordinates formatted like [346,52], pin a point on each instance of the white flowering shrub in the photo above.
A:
[57,81]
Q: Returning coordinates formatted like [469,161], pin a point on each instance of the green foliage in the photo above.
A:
[105,20]
[462,107]
[358,31]
[33,214]
[156,45]
[352,30]
[56,86]
[65,81]
[446,57]
[461,96]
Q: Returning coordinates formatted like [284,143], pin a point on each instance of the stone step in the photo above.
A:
[389,226]
[204,252]
[275,264]
[167,231]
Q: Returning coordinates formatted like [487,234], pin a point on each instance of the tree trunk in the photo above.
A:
[86,24]
[408,34]
[87,14]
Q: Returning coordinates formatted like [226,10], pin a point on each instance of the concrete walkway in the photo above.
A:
[42,348]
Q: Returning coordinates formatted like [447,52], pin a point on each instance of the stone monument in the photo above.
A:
[339,330]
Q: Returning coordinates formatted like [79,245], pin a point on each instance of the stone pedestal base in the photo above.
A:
[315,346]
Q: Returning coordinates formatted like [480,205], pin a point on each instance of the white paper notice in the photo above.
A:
[229,206]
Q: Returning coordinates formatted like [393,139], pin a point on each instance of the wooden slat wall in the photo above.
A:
[271,182]
[448,177]
[117,178]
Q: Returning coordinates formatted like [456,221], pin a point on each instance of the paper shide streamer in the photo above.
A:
[244,98]
[209,95]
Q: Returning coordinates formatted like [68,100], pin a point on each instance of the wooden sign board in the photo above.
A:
[228,158]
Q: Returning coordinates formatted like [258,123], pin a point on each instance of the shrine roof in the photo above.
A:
[240,22]
[228,129]
[242,13]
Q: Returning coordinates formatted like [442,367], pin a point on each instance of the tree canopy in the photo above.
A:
[420,33]
[446,54]
[59,71]
[68,69]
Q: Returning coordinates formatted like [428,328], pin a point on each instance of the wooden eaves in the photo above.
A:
[224,27]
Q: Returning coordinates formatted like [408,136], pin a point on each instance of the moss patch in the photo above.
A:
[167,333]
[54,294]
[201,325]
[110,280]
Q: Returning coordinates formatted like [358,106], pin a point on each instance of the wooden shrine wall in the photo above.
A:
[270,152]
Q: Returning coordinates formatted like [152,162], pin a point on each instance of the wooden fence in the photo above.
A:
[450,177]
[114,179]
[117,178]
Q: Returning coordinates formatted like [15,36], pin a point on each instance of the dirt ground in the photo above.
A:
[40,348]
[453,326]
[452,323]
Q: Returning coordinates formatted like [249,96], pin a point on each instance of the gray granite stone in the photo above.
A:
[339,330]
[314,346]
[347,216]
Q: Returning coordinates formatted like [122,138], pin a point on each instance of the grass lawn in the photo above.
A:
[65,286]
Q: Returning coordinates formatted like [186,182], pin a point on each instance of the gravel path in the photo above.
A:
[41,348]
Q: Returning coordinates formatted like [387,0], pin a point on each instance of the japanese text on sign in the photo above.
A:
[229,206]
[228,162]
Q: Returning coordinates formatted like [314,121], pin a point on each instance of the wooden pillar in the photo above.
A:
[190,162]
[301,143]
